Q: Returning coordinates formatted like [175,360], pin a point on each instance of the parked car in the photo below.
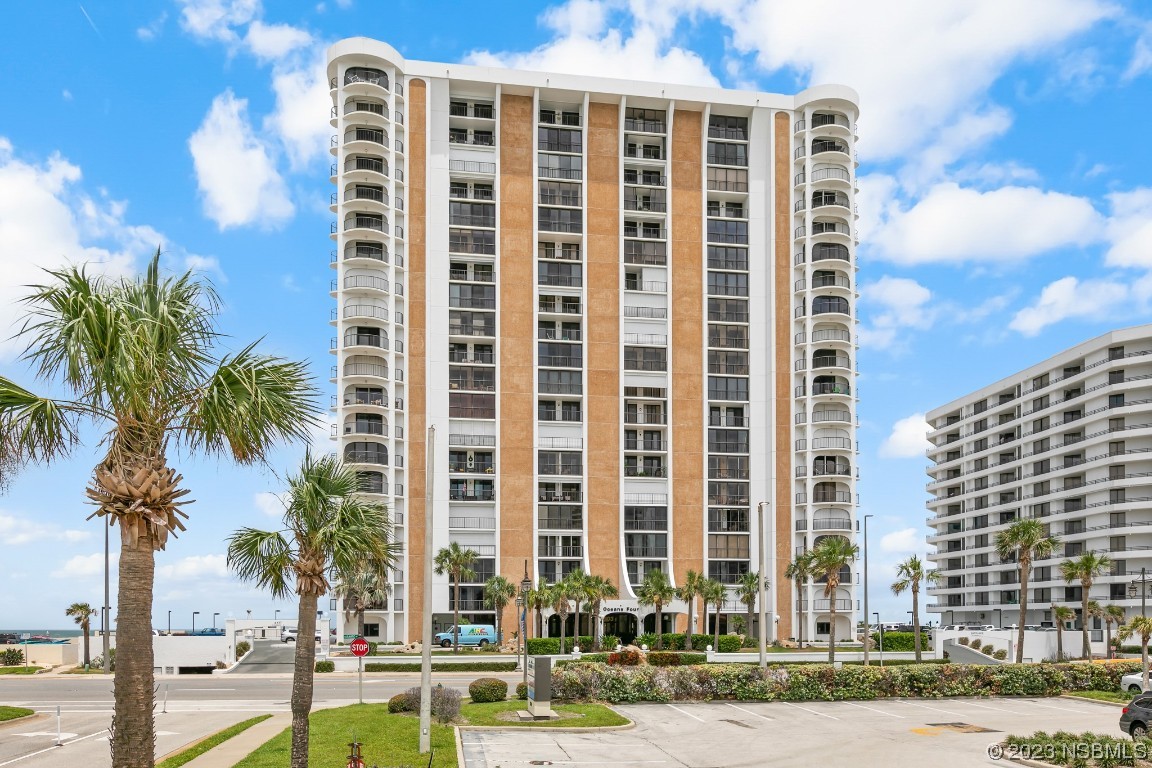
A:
[288,635]
[470,634]
[1133,683]
[1135,717]
[211,631]
[9,638]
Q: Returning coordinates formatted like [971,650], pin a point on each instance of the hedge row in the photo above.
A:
[674,641]
[550,646]
[897,642]
[822,682]
[448,666]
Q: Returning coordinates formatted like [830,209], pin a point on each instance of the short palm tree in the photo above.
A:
[328,530]
[599,590]
[537,601]
[362,590]
[456,561]
[747,592]
[829,557]
[1024,540]
[1113,614]
[1061,614]
[560,600]
[82,614]
[577,582]
[1139,626]
[498,592]
[656,590]
[911,575]
[688,592]
[713,593]
[800,570]
[138,357]
[1085,569]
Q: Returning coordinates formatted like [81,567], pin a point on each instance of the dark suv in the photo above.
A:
[1136,716]
[9,638]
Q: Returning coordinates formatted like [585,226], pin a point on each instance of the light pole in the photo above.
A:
[867,627]
[194,615]
[761,599]
[522,600]
[106,609]
[214,615]
[1143,582]
[169,622]
[877,615]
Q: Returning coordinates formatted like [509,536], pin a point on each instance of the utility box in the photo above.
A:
[540,687]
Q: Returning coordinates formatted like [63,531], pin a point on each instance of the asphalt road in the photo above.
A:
[268,656]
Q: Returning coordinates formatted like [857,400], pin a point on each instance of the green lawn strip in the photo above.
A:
[19,670]
[200,747]
[11,713]
[450,666]
[387,739]
[81,671]
[1116,697]
[591,715]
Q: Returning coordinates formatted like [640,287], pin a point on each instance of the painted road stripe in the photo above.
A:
[51,749]
[1065,709]
[871,709]
[812,711]
[925,706]
[698,719]
[994,709]
[754,714]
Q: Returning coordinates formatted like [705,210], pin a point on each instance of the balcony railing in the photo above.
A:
[645,126]
[645,471]
[644,179]
[831,525]
[366,457]
[374,135]
[478,494]
[365,340]
[471,166]
[640,417]
[547,551]
[366,222]
[473,523]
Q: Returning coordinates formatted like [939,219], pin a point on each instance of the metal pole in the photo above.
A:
[360,685]
[106,609]
[59,741]
[881,639]
[1143,613]
[525,585]
[165,699]
[867,616]
[761,599]
[426,633]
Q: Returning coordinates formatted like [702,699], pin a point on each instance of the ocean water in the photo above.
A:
[55,633]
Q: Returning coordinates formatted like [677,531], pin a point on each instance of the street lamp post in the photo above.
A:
[169,622]
[1143,582]
[194,615]
[525,585]
[881,626]
[761,599]
[106,609]
[214,615]
[867,628]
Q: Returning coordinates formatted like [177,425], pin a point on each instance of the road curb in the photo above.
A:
[25,719]
[1094,701]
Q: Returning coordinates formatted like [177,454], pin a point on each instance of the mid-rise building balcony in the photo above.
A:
[366,453]
[368,221]
[828,146]
[471,490]
[365,135]
[368,251]
[359,76]
[644,178]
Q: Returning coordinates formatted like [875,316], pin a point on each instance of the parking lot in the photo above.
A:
[943,733]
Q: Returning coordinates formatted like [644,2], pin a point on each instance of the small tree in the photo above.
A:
[560,596]
[1025,541]
[656,590]
[912,573]
[1085,569]
[1139,626]
[456,561]
[599,590]
[498,592]
[688,592]
[800,570]
[1061,614]
[537,601]
[1113,614]
[829,558]
[577,582]
[748,592]
[82,614]
[363,589]
[713,593]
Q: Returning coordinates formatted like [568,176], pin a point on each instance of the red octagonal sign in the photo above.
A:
[359,647]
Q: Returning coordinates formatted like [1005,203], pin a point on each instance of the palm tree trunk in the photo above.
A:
[359,623]
[748,620]
[302,672]
[563,630]
[916,619]
[1107,639]
[576,625]
[659,627]
[1025,567]
[688,633]
[456,613]
[800,610]
[595,627]
[832,586]
[499,634]
[133,725]
[87,652]
[1059,640]
[716,624]
[1085,585]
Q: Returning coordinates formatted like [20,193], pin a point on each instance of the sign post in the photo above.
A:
[359,648]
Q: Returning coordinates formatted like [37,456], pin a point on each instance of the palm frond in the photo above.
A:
[264,558]
[33,428]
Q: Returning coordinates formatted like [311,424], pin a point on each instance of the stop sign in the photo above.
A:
[359,647]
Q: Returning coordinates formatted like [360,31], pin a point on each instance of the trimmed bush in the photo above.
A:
[372,648]
[625,658]
[897,642]
[1000,654]
[963,640]
[522,691]
[550,646]
[674,641]
[446,666]
[326,666]
[399,703]
[445,702]
[11,657]
[675,658]
[487,689]
[242,648]
[988,649]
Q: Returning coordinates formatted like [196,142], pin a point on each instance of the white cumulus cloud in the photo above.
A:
[1071,297]
[274,41]
[15,531]
[270,504]
[217,19]
[908,438]
[905,540]
[81,566]
[891,304]
[1130,229]
[302,105]
[194,567]
[235,170]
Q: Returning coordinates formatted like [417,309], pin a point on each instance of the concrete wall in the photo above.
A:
[172,652]
[51,655]
[1038,644]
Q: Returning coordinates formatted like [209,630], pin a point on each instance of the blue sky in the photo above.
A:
[1006,209]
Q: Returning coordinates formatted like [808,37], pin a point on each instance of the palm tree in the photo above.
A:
[329,530]
[747,592]
[800,570]
[656,590]
[82,614]
[365,588]
[1113,614]
[559,597]
[1085,569]
[498,592]
[137,356]
[688,592]
[456,561]
[1061,614]
[713,593]
[829,557]
[537,600]
[1024,540]
[1142,626]
[911,574]
[599,590]
[577,582]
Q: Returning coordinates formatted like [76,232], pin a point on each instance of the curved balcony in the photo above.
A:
[823,305]
[824,358]
[832,176]
[377,340]
[366,453]
[822,146]
[824,251]
[354,425]
[831,465]
[374,397]
[831,227]
[369,193]
[831,415]
[832,524]
[367,284]
[367,165]
[365,311]
[825,279]
[831,385]
[826,198]
[832,443]
[365,76]
[367,365]
[359,135]
[367,221]
[368,251]
[831,122]
[372,482]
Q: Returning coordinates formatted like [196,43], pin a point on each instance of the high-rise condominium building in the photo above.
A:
[1067,442]
[627,308]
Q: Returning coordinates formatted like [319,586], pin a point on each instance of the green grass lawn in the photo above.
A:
[81,671]
[11,713]
[592,715]
[386,739]
[204,745]
[1121,697]
[20,670]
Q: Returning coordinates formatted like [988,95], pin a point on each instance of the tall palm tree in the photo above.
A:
[559,599]
[1142,627]
[137,357]
[911,574]
[829,557]
[656,590]
[1085,569]
[456,561]
[577,582]
[328,530]
[688,592]
[1113,614]
[82,614]
[1061,614]
[1024,540]
[537,601]
[747,592]
[713,593]
[498,592]
[800,570]
[599,590]
[364,589]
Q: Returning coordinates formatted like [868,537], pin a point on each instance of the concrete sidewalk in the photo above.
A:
[240,746]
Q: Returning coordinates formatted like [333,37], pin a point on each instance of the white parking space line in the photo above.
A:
[925,706]
[872,709]
[1064,709]
[754,714]
[810,711]
[698,719]
[994,709]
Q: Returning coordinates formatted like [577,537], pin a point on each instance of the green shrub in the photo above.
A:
[487,689]
[447,666]
[11,657]
[550,646]
[898,642]
[963,640]
[399,703]
[326,666]
[242,648]
[394,642]
[1000,654]
[522,691]
[625,658]
[988,649]
[675,658]
[445,702]
[372,648]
